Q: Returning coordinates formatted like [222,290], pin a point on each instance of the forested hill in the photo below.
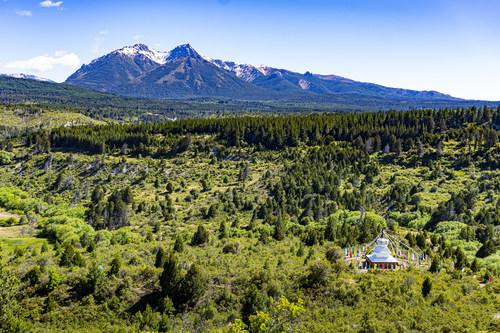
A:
[89,102]
[14,91]
[241,224]
[389,131]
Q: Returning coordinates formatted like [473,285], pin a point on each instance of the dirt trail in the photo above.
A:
[6,215]
[17,231]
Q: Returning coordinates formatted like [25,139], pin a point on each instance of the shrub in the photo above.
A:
[33,276]
[179,244]
[71,257]
[334,254]
[487,249]
[67,229]
[200,237]
[316,276]
[53,281]
[115,266]
[6,157]
[233,248]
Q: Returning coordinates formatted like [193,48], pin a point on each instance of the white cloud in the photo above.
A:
[50,4]
[45,63]
[24,13]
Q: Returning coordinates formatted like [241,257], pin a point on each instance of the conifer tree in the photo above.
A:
[426,287]
[170,276]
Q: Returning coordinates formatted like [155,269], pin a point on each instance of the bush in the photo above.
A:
[334,254]
[115,266]
[487,249]
[233,248]
[71,257]
[179,244]
[67,229]
[54,281]
[14,199]
[33,276]
[6,157]
[316,276]
[200,237]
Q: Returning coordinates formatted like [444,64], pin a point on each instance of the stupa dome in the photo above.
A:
[381,253]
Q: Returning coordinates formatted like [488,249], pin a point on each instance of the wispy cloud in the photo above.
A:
[45,63]
[98,41]
[51,4]
[24,13]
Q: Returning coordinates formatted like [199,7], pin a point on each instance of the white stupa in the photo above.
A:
[381,256]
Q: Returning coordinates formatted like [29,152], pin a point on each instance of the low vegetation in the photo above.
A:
[239,224]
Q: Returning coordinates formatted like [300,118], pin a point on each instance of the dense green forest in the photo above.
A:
[239,224]
[36,96]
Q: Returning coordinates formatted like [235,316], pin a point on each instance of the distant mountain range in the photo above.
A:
[26,77]
[136,80]
[140,71]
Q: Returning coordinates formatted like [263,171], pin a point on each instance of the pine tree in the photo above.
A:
[127,196]
[161,257]
[475,265]
[190,288]
[486,249]
[71,257]
[461,259]
[439,148]
[115,266]
[179,244]
[279,230]
[426,287]
[200,237]
[170,276]
[222,230]
[300,251]
[435,265]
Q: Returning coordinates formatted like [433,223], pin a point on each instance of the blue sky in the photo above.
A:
[452,46]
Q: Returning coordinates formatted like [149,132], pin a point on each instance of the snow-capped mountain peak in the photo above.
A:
[245,72]
[183,51]
[226,65]
[141,49]
[140,71]
[265,70]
